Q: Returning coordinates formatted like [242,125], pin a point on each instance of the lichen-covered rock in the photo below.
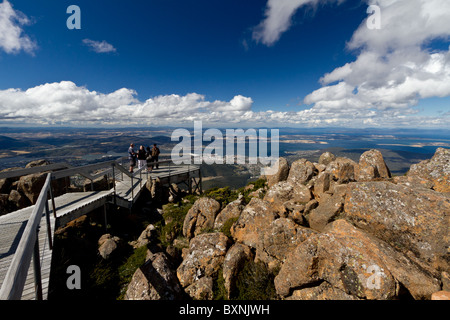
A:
[204,258]
[322,184]
[372,166]
[326,212]
[342,170]
[154,281]
[31,185]
[284,191]
[235,259]
[354,262]
[323,291]
[232,210]
[278,239]
[281,173]
[255,218]
[145,237]
[202,289]
[414,221]
[301,172]
[107,245]
[201,216]
[435,171]
[441,295]
[326,158]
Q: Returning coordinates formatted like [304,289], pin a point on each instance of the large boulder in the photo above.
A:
[354,263]
[200,217]
[284,191]
[326,158]
[31,185]
[435,171]
[342,170]
[322,184]
[154,281]
[326,212]
[278,239]
[145,237]
[282,171]
[255,218]
[107,244]
[231,211]
[235,260]
[301,172]
[6,183]
[415,221]
[202,289]
[372,166]
[204,257]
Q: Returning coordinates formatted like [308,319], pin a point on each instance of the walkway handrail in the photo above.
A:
[28,247]
[36,169]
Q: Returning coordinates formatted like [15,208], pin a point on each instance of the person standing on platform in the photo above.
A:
[132,157]
[155,155]
[141,157]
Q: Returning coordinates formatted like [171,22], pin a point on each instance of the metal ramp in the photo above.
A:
[26,235]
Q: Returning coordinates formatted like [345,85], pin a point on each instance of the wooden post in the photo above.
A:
[49,227]
[53,200]
[106,221]
[114,184]
[37,269]
[200,179]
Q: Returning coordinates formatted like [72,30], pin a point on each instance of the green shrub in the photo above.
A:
[222,195]
[226,228]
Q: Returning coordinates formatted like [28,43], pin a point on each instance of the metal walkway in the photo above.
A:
[15,229]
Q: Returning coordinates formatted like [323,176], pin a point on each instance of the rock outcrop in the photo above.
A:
[435,171]
[281,173]
[205,257]
[200,217]
[155,280]
[414,221]
[333,230]
[254,219]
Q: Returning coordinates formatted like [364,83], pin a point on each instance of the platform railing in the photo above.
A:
[28,248]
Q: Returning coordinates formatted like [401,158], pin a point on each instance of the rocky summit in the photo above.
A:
[332,230]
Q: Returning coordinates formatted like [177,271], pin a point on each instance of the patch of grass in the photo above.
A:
[129,267]
[226,228]
[255,282]
[219,291]
[174,215]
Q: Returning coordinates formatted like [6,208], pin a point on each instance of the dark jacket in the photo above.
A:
[141,154]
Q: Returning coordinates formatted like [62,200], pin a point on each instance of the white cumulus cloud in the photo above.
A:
[12,38]
[66,103]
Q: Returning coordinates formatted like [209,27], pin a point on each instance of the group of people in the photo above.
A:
[143,157]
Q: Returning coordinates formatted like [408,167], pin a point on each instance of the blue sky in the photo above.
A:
[174,61]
